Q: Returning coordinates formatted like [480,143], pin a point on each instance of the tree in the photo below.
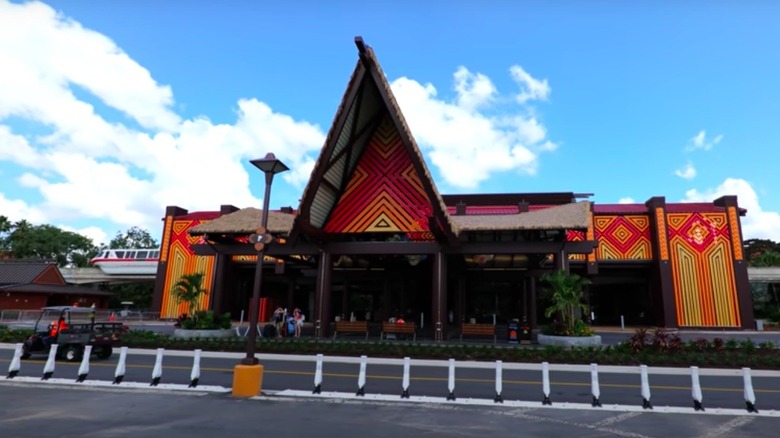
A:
[134,237]
[754,248]
[188,290]
[566,291]
[25,240]
[766,259]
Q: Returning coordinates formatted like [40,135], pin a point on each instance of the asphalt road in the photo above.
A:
[100,413]
[667,390]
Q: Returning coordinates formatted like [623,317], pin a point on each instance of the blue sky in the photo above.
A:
[110,111]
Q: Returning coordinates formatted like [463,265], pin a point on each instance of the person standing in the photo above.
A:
[298,318]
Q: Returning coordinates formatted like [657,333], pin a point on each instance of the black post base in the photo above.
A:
[81,378]
[194,383]
[751,407]
[697,406]
[405,394]
[646,404]
[451,396]
[546,401]
[317,389]
[361,392]
[155,381]
[595,403]
[498,399]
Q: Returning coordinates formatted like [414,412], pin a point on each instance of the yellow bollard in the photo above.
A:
[247,380]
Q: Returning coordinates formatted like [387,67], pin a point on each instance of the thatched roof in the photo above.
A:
[568,216]
[245,221]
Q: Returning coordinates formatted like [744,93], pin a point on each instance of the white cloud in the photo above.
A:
[530,88]
[757,224]
[463,139]
[88,167]
[97,235]
[474,90]
[700,141]
[626,201]
[16,210]
[687,172]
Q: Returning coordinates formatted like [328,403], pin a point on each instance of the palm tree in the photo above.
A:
[188,290]
[566,292]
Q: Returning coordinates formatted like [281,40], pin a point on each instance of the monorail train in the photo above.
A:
[128,261]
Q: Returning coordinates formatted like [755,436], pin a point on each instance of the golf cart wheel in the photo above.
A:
[25,351]
[104,353]
[72,353]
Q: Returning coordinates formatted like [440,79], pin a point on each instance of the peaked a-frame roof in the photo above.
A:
[369,126]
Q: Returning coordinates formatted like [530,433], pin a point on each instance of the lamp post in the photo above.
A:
[270,166]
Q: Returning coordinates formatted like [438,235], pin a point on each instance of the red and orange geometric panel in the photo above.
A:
[385,193]
[181,260]
[702,270]
[623,237]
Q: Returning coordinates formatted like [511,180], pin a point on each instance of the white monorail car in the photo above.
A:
[128,261]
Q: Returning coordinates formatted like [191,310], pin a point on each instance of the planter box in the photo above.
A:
[569,341]
[189,334]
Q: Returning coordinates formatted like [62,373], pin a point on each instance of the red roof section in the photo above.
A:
[199,215]
[619,208]
[693,207]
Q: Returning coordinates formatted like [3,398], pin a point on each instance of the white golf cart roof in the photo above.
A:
[72,309]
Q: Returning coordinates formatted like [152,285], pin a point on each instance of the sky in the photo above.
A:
[111,111]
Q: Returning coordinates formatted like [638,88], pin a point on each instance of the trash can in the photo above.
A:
[525,333]
[512,332]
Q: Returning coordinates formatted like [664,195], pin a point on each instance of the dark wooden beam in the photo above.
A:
[399,248]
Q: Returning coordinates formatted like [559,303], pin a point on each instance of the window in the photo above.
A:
[120,254]
[141,254]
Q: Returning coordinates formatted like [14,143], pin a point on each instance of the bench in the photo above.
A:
[351,327]
[406,328]
[478,330]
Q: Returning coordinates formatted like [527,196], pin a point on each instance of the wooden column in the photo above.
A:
[290,293]
[744,292]
[322,301]
[663,293]
[439,317]
[459,299]
[222,262]
[533,303]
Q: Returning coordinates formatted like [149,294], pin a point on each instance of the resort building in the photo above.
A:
[373,238]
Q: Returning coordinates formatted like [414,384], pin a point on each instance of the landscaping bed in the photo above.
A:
[653,349]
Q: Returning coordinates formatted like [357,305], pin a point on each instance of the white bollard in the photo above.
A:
[546,383]
[84,367]
[48,369]
[696,389]
[750,396]
[195,374]
[119,374]
[362,377]
[645,387]
[622,323]
[499,382]
[451,380]
[405,381]
[157,371]
[594,385]
[16,362]
[318,376]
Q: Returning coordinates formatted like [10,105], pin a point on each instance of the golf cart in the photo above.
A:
[72,328]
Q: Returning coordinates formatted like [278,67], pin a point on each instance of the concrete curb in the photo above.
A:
[443,363]
[171,387]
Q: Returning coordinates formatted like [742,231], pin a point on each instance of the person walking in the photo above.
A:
[298,318]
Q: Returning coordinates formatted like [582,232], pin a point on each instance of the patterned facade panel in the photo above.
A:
[623,237]
[384,193]
[575,236]
[702,270]
[181,260]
